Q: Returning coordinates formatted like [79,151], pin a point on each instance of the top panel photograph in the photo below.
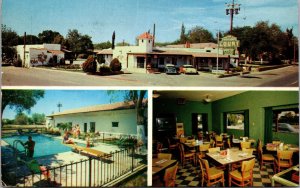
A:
[207,43]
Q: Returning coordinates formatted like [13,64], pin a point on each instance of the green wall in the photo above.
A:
[255,102]
[182,112]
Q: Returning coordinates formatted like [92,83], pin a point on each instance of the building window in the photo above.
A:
[92,127]
[174,61]
[142,41]
[85,127]
[161,61]
[286,120]
[235,121]
[115,124]
[149,41]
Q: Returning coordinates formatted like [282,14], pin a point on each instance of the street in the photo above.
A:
[14,76]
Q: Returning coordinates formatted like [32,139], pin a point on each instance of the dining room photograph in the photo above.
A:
[225,138]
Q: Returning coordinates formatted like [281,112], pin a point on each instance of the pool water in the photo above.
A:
[44,145]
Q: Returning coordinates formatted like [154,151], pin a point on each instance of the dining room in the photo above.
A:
[225,138]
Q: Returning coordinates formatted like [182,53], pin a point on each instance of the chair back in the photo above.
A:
[277,142]
[205,167]
[284,155]
[214,150]
[204,147]
[219,138]
[164,156]
[183,139]
[247,166]
[170,176]
[159,147]
[245,145]
[249,151]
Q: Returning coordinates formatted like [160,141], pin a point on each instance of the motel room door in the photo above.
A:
[199,123]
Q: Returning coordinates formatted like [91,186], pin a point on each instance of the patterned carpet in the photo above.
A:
[189,176]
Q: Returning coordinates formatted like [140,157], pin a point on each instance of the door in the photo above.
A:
[199,123]
[92,127]
[85,127]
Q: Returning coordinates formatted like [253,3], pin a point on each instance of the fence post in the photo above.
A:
[90,171]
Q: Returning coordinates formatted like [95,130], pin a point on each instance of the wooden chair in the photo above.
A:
[210,175]
[170,176]
[246,145]
[283,160]
[164,156]
[214,150]
[183,139]
[243,177]
[264,158]
[219,141]
[171,146]
[277,142]
[202,150]
[249,151]
[186,156]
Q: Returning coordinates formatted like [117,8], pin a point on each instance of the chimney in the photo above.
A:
[187,44]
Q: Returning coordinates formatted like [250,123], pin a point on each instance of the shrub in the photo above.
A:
[104,69]
[115,65]
[90,65]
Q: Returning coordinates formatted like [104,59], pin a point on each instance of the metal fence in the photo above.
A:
[111,137]
[92,172]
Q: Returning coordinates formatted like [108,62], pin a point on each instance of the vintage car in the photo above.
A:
[170,69]
[188,69]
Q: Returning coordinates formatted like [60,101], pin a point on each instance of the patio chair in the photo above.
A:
[243,177]
[211,175]
[171,146]
[284,160]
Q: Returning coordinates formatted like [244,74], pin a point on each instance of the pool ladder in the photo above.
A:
[16,151]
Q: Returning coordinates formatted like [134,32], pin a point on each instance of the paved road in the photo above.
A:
[13,76]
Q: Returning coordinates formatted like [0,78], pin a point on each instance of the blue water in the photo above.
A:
[43,145]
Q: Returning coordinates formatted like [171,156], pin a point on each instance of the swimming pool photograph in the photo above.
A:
[99,141]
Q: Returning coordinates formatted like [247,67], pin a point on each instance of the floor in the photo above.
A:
[189,176]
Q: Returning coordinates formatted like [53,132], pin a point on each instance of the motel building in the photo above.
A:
[146,56]
[117,118]
[39,54]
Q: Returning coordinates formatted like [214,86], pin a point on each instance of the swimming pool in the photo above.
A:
[44,145]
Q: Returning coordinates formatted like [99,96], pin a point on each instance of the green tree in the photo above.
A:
[79,43]
[38,119]
[58,39]
[102,45]
[183,37]
[20,99]
[200,35]
[123,44]
[9,39]
[30,39]
[21,119]
[48,36]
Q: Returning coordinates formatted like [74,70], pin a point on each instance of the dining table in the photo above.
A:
[159,165]
[287,147]
[234,155]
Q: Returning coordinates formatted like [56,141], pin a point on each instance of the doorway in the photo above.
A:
[199,123]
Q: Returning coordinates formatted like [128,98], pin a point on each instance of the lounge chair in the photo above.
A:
[89,151]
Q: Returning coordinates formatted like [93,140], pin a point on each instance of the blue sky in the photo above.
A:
[129,18]
[69,99]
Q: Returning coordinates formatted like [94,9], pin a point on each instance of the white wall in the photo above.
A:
[103,120]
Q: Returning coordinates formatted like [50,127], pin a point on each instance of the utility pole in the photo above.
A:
[232,9]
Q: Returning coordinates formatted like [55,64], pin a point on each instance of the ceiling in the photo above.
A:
[197,95]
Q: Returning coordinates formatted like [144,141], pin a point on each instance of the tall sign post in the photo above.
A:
[232,9]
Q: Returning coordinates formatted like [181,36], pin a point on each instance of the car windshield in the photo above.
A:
[188,66]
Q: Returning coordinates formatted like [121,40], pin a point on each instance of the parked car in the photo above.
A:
[188,69]
[170,69]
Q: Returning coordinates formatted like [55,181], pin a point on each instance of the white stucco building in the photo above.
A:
[119,118]
[39,54]
[138,58]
